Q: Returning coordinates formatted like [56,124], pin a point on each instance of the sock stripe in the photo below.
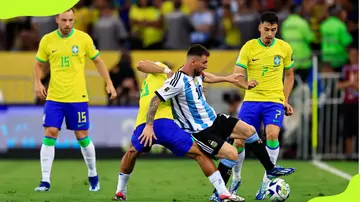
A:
[272,144]
[49,141]
[272,148]
[84,142]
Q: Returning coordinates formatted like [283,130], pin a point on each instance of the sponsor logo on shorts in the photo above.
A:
[276,121]
[80,125]
[213,144]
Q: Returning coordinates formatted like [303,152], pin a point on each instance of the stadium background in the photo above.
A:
[126,31]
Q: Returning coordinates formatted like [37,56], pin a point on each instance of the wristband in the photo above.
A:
[167,70]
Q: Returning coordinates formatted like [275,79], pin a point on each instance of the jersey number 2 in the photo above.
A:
[65,62]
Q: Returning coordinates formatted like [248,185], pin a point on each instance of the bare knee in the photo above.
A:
[80,134]
[238,143]
[51,132]
[272,136]
[228,151]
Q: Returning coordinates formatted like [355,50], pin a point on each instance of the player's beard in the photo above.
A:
[197,73]
[65,31]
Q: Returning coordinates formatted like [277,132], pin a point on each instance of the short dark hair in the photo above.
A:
[70,9]
[197,50]
[269,17]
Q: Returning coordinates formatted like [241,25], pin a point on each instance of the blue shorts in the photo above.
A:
[253,113]
[76,115]
[168,134]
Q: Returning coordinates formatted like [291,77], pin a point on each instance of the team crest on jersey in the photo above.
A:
[277,60]
[75,50]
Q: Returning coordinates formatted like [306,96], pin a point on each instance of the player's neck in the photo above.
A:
[62,34]
[187,70]
[266,44]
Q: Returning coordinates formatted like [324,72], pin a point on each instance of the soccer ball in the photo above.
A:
[278,190]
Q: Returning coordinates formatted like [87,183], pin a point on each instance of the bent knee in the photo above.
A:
[51,132]
[238,143]
[232,154]
[272,136]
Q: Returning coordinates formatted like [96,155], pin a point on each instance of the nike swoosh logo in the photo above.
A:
[255,59]
[80,125]
[276,120]
[53,51]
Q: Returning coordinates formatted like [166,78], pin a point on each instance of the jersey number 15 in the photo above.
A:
[65,62]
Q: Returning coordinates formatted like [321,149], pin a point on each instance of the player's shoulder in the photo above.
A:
[50,36]
[250,43]
[282,43]
[81,35]
[177,79]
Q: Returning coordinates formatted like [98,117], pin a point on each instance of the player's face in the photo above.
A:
[200,64]
[65,21]
[267,32]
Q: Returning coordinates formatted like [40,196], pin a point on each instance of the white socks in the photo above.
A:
[218,183]
[89,155]
[237,168]
[273,153]
[122,183]
[47,154]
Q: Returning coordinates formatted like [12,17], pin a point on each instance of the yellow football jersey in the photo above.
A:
[266,65]
[151,83]
[67,64]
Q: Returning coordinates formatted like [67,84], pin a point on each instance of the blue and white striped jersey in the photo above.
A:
[190,109]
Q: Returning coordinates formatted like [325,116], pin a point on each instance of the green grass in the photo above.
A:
[351,168]
[154,180]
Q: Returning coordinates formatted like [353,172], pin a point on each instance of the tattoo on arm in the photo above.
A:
[154,104]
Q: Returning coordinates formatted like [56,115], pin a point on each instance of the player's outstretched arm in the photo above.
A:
[241,82]
[104,72]
[211,78]
[150,67]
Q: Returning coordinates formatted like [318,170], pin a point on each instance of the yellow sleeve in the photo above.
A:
[243,58]
[289,59]
[91,50]
[42,54]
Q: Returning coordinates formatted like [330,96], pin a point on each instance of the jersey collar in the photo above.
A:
[68,36]
[263,45]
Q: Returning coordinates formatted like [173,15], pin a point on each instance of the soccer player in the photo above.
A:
[65,49]
[198,118]
[168,133]
[265,59]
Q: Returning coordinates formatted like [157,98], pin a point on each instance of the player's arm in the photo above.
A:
[41,59]
[211,78]
[241,68]
[150,67]
[100,65]
[289,74]
[170,89]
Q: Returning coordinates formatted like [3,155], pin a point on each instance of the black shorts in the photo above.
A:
[211,139]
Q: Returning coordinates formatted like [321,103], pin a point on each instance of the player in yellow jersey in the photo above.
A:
[66,50]
[264,60]
[168,133]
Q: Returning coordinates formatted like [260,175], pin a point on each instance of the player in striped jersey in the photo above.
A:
[196,116]
[168,134]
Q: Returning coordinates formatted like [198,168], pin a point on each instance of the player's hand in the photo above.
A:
[111,90]
[288,110]
[147,135]
[252,84]
[40,91]
[234,78]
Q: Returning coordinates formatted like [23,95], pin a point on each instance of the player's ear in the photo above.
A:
[259,27]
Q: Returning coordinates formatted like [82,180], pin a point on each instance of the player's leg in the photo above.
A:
[180,143]
[250,114]
[128,163]
[241,130]
[52,121]
[77,119]
[215,145]
[272,115]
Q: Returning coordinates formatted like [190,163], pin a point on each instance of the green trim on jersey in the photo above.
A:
[241,65]
[263,45]
[40,60]
[70,34]
[290,66]
[97,54]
